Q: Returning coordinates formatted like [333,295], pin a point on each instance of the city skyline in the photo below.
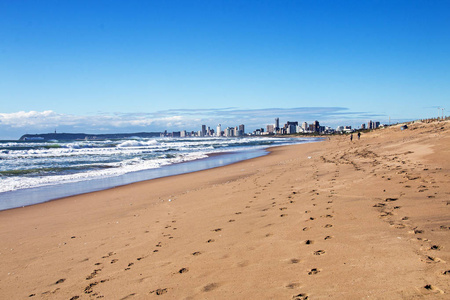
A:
[21,123]
[290,127]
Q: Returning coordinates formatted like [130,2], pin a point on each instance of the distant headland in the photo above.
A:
[84,136]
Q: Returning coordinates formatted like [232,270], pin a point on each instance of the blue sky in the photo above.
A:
[126,66]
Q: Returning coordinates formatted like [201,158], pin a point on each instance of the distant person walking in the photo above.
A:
[359,135]
[351,137]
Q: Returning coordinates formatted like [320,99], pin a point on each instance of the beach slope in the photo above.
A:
[338,219]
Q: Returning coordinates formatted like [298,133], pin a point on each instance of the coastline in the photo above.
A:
[330,219]
[53,190]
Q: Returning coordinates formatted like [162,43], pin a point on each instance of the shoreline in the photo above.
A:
[56,192]
[52,192]
[40,194]
[312,219]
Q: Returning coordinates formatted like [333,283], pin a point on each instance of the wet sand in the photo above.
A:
[336,219]
[31,196]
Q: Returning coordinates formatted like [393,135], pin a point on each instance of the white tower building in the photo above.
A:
[219,130]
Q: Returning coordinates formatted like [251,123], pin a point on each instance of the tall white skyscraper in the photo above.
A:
[219,130]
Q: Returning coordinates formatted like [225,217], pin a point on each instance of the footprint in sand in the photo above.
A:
[196,253]
[300,296]
[89,288]
[129,266]
[293,285]
[183,270]
[109,255]
[309,242]
[328,237]
[210,287]
[435,247]
[319,252]
[93,274]
[314,271]
[391,199]
[328,226]
[430,259]
[399,225]
[386,214]
[159,292]
[431,289]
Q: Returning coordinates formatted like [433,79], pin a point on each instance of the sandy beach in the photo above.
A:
[337,219]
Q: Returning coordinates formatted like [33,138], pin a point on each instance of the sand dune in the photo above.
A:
[335,219]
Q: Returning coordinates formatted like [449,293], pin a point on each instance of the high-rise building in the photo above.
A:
[277,124]
[241,129]
[219,130]
[316,126]
[305,126]
[291,129]
[203,132]
[229,131]
[270,129]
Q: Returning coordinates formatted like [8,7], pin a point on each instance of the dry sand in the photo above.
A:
[336,219]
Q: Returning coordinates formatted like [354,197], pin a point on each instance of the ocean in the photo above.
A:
[37,171]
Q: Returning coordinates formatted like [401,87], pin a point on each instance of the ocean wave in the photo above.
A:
[137,143]
[20,179]
[34,164]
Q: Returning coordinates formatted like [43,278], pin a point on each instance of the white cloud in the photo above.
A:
[31,118]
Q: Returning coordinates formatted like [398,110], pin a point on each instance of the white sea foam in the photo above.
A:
[117,169]
[42,163]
